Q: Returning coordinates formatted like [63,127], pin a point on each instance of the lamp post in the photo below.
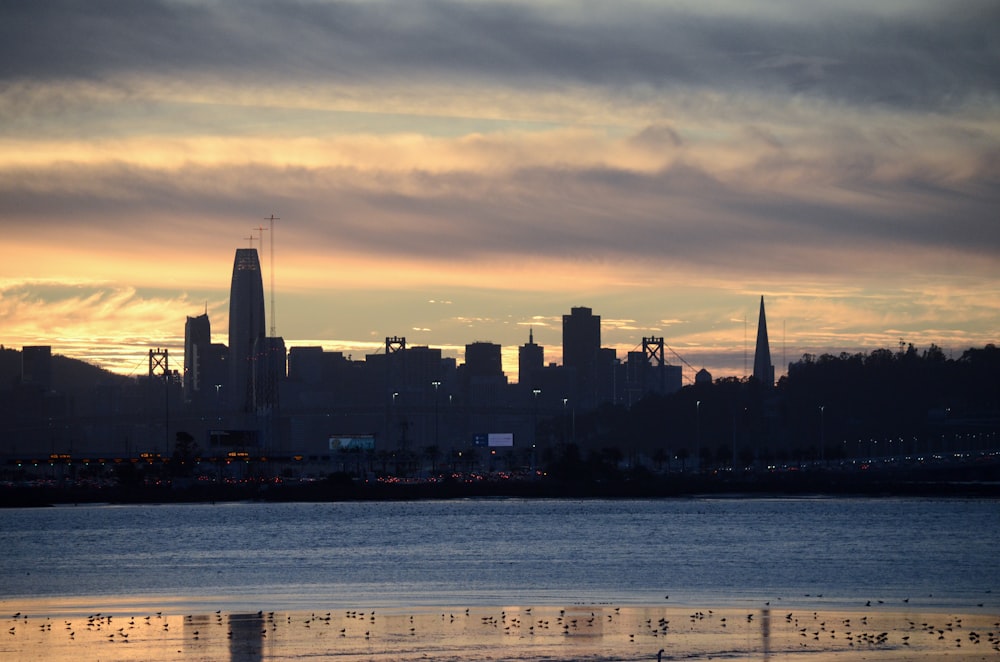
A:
[534,415]
[822,435]
[697,438]
[394,414]
[436,384]
[565,420]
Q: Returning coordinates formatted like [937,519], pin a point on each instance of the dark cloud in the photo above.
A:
[934,56]
[679,216]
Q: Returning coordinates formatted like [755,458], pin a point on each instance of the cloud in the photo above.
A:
[111,325]
[905,55]
[580,196]
[659,162]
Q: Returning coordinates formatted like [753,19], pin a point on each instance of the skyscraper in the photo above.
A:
[581,349]
[530,359]
[246,326]
[483,359]
[197,340]
[763,371]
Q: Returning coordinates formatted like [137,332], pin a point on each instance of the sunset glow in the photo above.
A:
[454,172]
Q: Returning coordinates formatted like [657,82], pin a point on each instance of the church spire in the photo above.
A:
[763,370]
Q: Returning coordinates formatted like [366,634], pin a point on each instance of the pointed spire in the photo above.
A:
[531,336]
[763,371]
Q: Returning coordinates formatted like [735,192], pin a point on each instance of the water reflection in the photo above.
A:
[765,633]
[246,637]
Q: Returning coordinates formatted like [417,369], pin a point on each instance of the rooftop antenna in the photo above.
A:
[744,344]
[261,229]
[274,325]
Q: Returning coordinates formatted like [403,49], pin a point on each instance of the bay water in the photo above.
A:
[930,554]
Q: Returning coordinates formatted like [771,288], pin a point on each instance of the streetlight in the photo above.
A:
[822,435]
[697,439]
[435,384]
[534,415]
[565,420]
[393,415]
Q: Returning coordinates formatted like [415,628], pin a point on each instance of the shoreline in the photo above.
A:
[804,484]
[580,632]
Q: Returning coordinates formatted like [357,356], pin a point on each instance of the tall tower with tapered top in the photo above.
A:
[246,327]
[763,371]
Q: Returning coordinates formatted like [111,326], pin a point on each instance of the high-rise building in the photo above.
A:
[246,326]
[270,367]
[197,341]
[530,359]
[482,359]
[581,350]
[763,371]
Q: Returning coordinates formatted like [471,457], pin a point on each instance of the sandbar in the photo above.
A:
[573,632]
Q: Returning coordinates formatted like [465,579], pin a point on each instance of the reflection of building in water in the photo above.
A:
[765,633]
[246,640]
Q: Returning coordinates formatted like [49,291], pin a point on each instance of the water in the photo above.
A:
[937,554]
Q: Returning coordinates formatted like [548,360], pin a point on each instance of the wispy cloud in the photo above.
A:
[665,164]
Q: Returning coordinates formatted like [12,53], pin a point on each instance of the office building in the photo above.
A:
[530,360]
[246,326]
[581,352]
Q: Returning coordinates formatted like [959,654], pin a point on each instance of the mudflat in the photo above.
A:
[574,632]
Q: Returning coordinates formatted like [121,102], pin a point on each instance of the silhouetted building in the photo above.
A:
[484,386]
[763,371]
[482,359]
[197,341]
[269,369]
[703,377]
[581,345]
[36,366]
[530,359]
[646,372]
[605,387]
[305,364]
[246,325]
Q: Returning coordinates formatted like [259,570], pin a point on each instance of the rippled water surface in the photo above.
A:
[933,553]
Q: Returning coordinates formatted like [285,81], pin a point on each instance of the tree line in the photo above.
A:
[884,403]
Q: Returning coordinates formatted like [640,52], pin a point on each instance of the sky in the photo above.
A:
[466,170]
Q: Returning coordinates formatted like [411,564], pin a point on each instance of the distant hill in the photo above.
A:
[70,376]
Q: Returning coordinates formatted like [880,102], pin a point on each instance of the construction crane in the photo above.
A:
[274,324]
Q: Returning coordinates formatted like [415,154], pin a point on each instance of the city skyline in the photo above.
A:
[465,172]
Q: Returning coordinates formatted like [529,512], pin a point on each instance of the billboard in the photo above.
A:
[500,439]
[350,442]
[232,438]
[493,439]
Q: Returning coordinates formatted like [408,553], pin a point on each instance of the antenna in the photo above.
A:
[251,239]
[274,332]
[744,344]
